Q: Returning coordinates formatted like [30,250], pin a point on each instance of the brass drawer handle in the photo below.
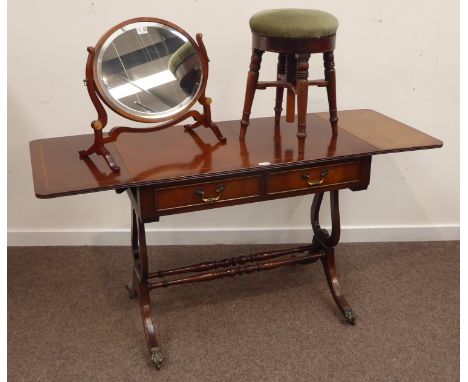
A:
[201,192]
[310,182]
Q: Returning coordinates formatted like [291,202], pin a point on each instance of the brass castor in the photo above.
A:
[349,316]
[156,357]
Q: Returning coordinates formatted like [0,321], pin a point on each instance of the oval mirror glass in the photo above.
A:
[148,71]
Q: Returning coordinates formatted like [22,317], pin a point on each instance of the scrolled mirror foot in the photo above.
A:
[192,126]
[217,132]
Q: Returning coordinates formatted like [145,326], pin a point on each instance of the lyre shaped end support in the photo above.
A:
[325,238]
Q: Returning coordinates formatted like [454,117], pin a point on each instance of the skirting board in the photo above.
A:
[231,236]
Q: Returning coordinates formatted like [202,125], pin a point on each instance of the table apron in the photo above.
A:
[154,201]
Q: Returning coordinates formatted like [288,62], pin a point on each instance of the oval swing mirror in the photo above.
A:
[147,70]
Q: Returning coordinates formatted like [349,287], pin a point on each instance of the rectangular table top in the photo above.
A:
[172,154]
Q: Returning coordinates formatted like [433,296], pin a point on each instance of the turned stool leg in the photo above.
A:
[280,90]
[329,63]
[291,68]
[302,88]
[252,80]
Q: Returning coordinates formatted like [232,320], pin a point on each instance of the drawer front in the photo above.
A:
[208,193]
[314,177]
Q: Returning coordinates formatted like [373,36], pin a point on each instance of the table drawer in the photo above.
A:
[314,177]
[206,193]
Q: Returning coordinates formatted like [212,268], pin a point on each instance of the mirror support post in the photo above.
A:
[98,146]
[205,119]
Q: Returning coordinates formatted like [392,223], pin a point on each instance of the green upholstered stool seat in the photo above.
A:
[293,23]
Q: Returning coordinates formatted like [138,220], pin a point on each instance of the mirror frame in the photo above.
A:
[111,104]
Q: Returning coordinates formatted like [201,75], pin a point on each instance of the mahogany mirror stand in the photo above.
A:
[153,56]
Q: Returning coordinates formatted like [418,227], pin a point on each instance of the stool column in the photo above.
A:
[281,72]
[252,80]
[291,70]
[302,88]
[329,63]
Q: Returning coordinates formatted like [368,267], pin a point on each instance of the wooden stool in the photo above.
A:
[295,34]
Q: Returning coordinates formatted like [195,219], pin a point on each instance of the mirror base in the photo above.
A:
[98,148]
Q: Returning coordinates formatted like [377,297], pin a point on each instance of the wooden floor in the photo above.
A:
[276,326]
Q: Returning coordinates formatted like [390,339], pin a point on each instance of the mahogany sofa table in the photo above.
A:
[170,172]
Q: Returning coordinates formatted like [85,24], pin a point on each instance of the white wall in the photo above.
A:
[398,57]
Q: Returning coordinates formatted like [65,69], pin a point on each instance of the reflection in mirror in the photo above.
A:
[149,70]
